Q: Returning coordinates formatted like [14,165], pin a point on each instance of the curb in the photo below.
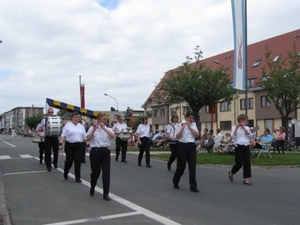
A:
[4,214]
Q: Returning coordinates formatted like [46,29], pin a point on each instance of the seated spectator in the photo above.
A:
[226,144]
[206,145]
[265,138]
[161,141]
[204,135]
[218,139]
[280,140]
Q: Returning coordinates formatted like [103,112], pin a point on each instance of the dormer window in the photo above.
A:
[256,63]
[276,58]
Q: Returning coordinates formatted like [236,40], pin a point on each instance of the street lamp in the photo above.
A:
[114,99]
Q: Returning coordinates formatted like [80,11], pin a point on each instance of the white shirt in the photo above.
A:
[41,125]
[143,130]
[241,137]
[172,129]
[187,135]
[218,139]
[100,138]
[74,133]
[118,127]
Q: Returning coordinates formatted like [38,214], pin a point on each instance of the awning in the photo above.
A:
[71,108]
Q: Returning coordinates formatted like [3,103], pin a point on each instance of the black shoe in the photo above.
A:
[41,161]
[149,166]
[123,161]
[83,161]
[176,186]
[194,189]
[55,166]
[66,176]
[49,169]
[116,158]
[92,192]
[107,198]
[140,164]
[78,180]
[169,167]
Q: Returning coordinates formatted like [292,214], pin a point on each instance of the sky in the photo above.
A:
[119,47]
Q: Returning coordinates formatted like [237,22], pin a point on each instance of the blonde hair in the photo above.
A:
[101,114]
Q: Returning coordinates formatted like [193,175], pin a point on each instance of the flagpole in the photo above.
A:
[245,61]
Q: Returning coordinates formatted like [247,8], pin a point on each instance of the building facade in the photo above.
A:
[259,111]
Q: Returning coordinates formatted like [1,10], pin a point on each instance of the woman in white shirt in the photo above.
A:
[143,140]
[74,135]
[241,135]
[218,138]
[186,151]
[99,136]
[171,132]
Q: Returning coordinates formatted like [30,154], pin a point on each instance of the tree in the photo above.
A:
[33,121]
[281,80]
[196,84]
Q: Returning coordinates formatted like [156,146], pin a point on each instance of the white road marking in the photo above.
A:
[8,143]
[26,156]
[40,171]
[5,157]
[94,219]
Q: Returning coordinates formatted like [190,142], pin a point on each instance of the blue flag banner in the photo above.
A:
[240,44]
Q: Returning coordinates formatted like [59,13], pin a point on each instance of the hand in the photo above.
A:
[60,147]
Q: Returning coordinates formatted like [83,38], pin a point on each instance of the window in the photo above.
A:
[250,82]
[149,114]
[207,109]
[250,123]
[276,58]
[185,109]
[249,105]
[225,125]
[264,102]
[208,126]
[256,63]
[162,112]
[174,111]
[269,124]
[224,106]
[156,113]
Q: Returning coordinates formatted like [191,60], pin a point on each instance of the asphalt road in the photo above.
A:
[143,195]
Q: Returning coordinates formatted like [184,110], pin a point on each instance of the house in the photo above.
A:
[260,112]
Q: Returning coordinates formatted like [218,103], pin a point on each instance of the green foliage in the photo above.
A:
[281,80]
[196,84]
[33,121]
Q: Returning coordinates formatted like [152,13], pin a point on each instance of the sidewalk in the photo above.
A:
[4,214]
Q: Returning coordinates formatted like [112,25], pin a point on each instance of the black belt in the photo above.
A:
[74,143]
[99,148]
[144,137]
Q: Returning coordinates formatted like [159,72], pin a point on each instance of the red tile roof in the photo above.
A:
[278,45]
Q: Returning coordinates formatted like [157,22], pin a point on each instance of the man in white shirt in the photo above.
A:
[117,128]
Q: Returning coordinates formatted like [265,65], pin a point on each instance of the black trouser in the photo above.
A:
[51,142]
[73,153]
[186,152]
[83,150]
[144,147]
[280,143]
[42,149]
[242,159]
[173,149]
[121,144]
[100,159]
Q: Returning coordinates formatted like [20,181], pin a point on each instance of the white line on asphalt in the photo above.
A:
[5,157]
[40,171]
[8,143]
[95,219]
[26,156]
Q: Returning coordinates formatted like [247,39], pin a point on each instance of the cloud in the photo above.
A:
[120,47]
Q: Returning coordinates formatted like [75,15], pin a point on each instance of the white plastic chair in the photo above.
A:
[264,150]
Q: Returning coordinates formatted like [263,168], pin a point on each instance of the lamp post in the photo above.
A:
[114,99]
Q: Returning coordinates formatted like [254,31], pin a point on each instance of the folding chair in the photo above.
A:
[265,149]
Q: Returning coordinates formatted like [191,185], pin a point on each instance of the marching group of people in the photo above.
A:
[76,139]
